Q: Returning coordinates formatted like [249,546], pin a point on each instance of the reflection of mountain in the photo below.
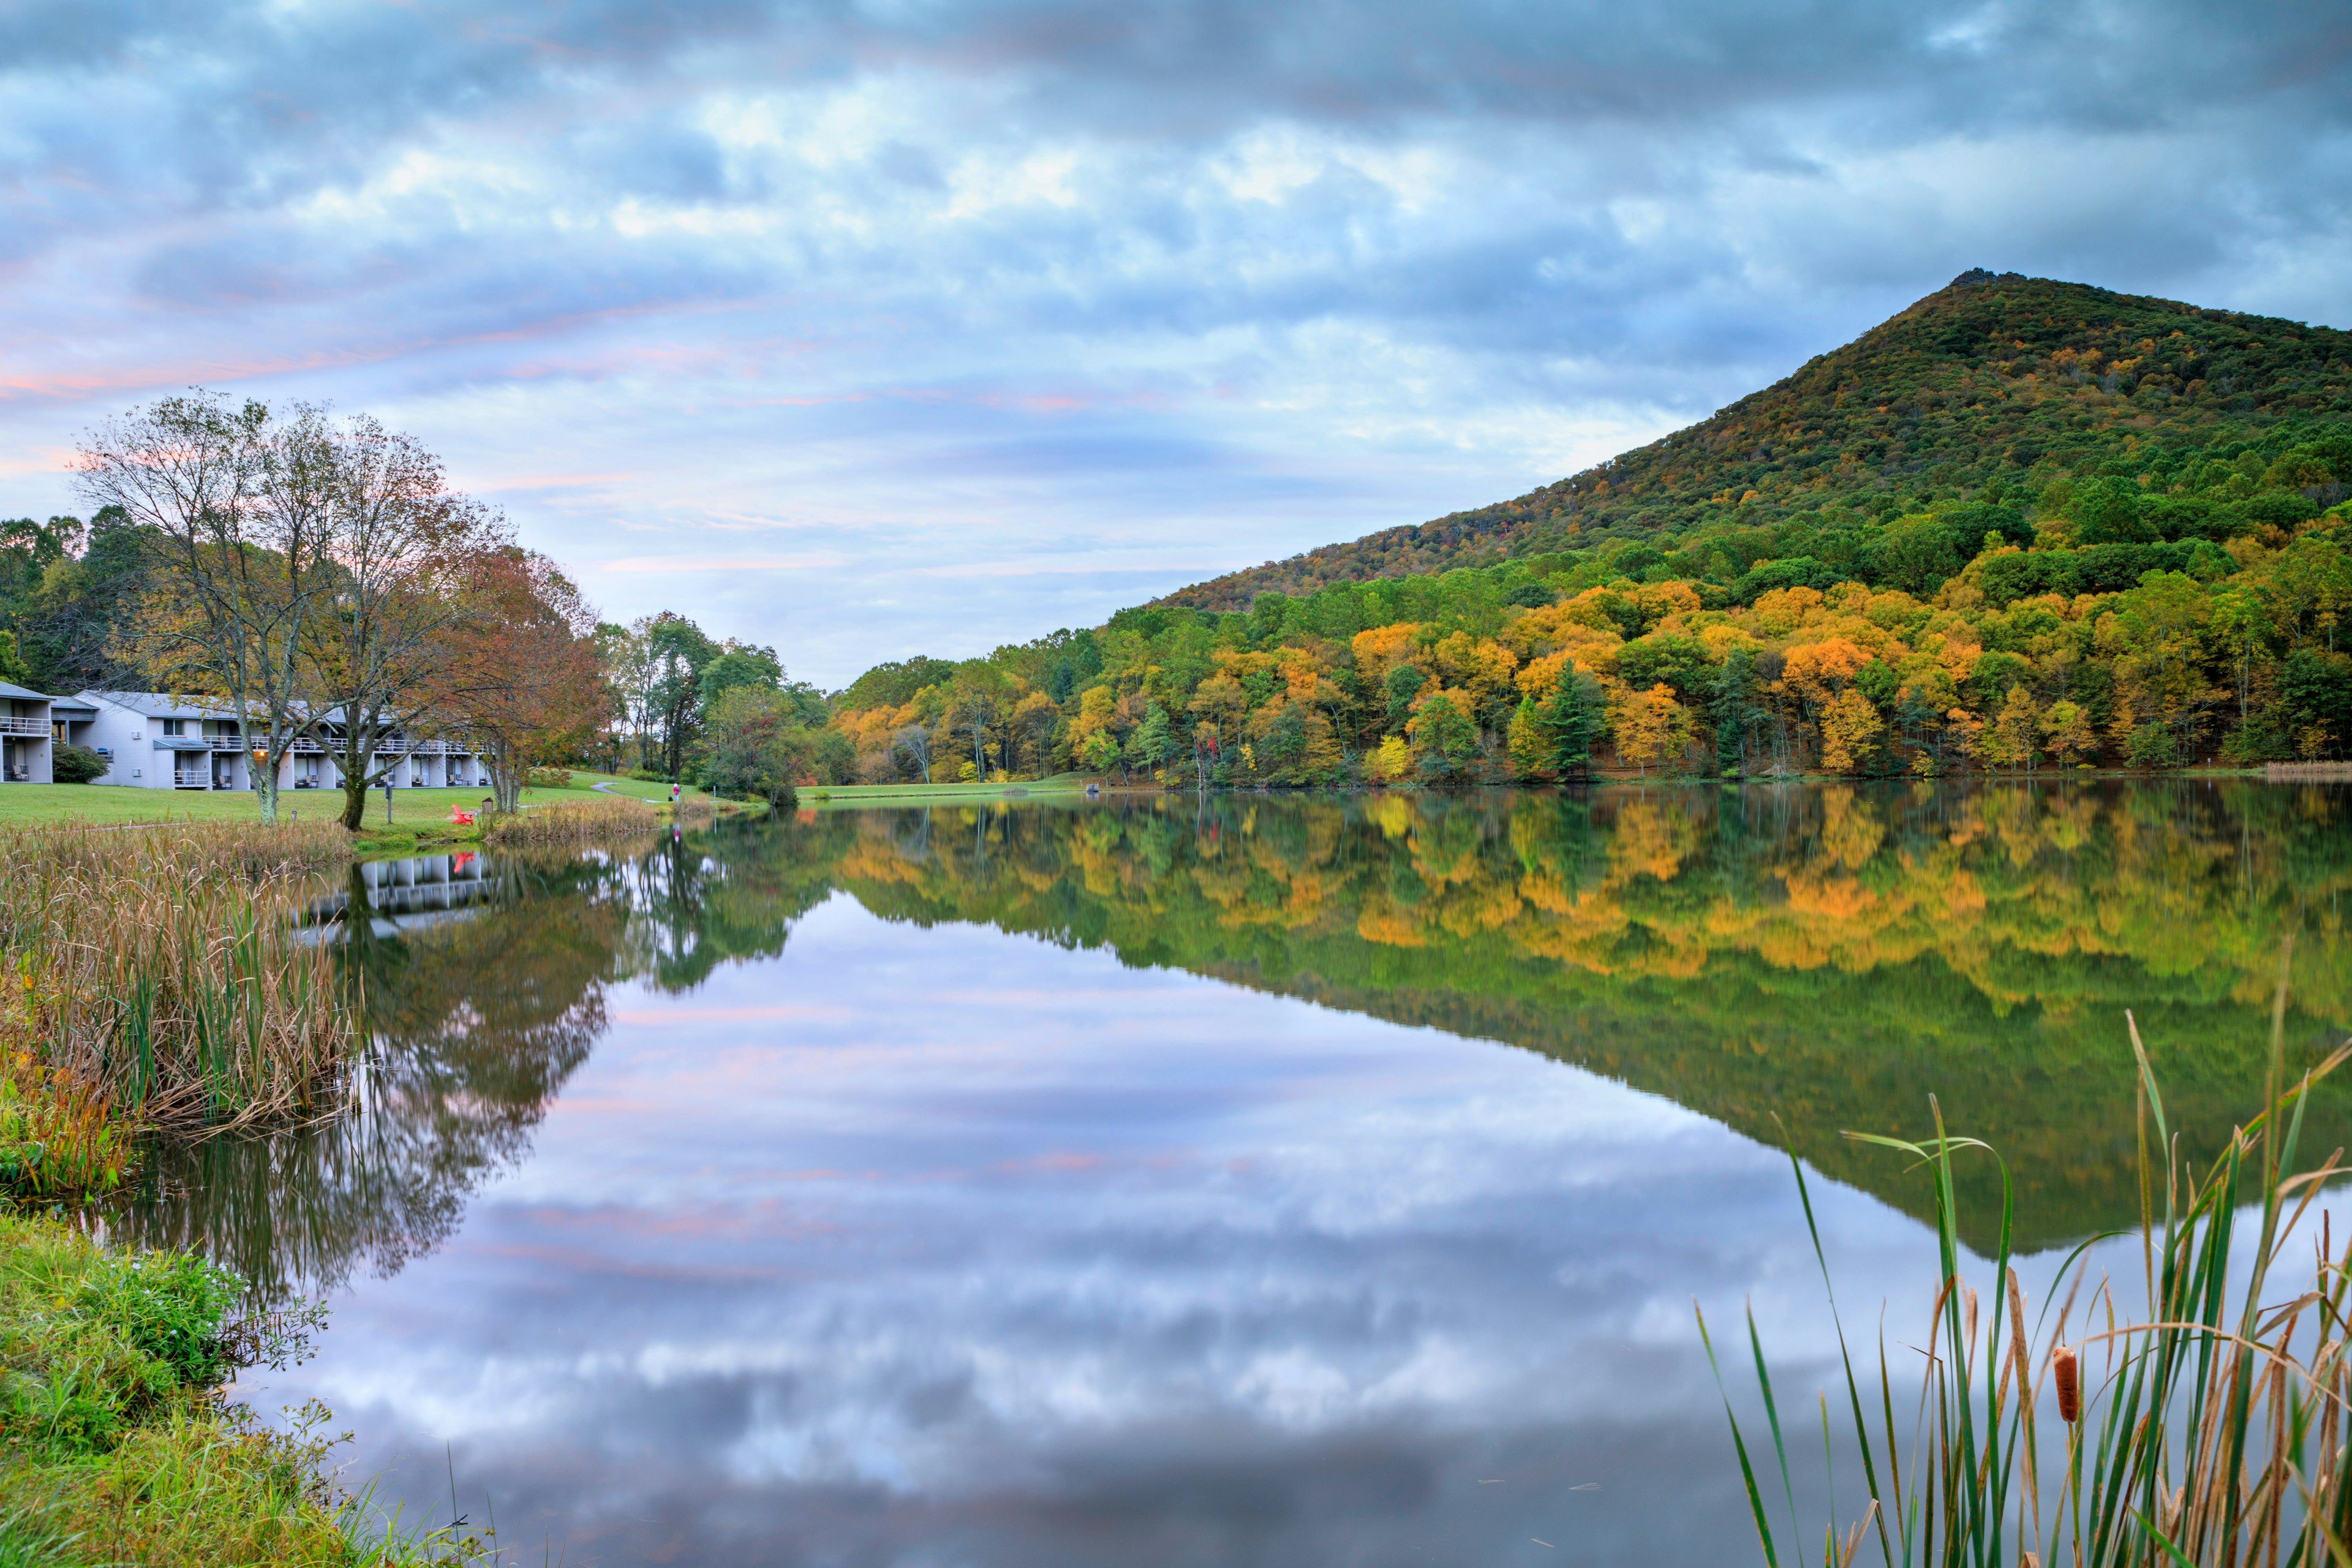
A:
[1827,956]
[1824,956]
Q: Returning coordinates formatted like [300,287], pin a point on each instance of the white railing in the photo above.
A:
[401,748]
[13,726]
[305,747]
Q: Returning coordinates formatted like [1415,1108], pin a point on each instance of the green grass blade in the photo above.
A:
[1739,1445]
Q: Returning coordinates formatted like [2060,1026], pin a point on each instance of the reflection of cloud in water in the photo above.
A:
[923,1242]
[1160,1271]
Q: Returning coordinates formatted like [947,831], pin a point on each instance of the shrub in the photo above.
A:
[548,778]
[75,764]
[115,1443]
[603,821]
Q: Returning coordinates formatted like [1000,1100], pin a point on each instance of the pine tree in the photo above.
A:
[1571,720]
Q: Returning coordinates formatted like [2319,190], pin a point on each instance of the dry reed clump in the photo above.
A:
[612,819]
[2207,1425]
[154,971]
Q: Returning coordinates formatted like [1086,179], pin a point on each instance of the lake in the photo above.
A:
[1243,1179]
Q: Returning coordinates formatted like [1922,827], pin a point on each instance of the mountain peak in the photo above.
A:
[1994,384]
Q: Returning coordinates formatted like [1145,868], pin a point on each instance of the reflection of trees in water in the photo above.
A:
[1827,954]
[477,1022]
[1832,954]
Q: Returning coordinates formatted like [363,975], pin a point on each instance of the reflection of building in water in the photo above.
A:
[475,1025]
[484,980]
[409,894]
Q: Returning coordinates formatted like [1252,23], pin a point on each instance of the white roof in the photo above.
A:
[160,704]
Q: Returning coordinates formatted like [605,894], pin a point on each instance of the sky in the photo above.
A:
[864,329]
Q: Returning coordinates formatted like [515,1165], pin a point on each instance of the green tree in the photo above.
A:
[80,619]
[737,664]
[1154,740]
[1914,554]
[1403,685]
[754,746]
[676,652]
[1732,710]
[2315,692]
[1444,739]
[2110,511]
[1572,717]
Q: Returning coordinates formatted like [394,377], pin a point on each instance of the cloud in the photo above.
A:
[952,286]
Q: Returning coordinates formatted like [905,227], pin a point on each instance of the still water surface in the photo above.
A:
[1254,1180]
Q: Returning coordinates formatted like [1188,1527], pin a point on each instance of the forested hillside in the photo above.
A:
[1972,393]
[2024,524]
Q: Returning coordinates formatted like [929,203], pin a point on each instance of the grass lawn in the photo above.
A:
[31,803]
[655,789]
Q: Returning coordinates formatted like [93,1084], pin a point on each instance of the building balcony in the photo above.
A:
[15,726]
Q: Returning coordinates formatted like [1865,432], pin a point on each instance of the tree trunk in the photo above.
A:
[264,784]
[352,762]
[506,779]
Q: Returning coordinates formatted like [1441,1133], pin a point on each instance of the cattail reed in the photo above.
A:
[2222,1440]
[155,968]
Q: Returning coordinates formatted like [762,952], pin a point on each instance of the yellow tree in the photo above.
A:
[1649,726]
[2013,738]
[1529,746]
[1849,725]
[2067,731]
[1221,701]
[1093,738]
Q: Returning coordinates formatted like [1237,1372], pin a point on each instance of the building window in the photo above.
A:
[171,726]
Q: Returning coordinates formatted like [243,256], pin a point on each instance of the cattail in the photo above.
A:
[2062,1372]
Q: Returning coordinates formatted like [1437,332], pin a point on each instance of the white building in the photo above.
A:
[152,740]
[25,735]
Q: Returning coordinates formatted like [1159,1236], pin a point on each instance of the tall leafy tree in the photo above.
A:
[675,653]
[521,676]
[401,549]
[240,503]
[756,743]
